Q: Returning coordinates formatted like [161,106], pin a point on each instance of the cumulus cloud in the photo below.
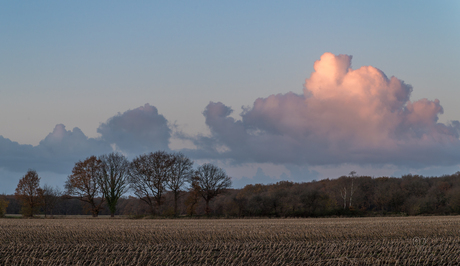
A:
[62,142]
[137,131]
[58,152]
[133,132]
[62,148]
[344,115]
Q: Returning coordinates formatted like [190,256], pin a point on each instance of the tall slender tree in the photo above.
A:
[113,179]
[83,183]
[352,188]
[28,193]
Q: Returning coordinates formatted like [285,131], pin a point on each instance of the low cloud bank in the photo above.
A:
[133,132]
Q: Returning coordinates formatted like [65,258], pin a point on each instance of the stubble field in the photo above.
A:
[332,241]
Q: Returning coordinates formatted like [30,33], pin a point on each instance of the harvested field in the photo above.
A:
[334,241]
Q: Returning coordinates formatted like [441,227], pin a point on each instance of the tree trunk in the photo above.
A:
[95,211]
[175,203]
[207,208]
[344,197]
[351,193]
[112,208]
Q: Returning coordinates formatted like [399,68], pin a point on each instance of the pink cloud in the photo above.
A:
[344,115]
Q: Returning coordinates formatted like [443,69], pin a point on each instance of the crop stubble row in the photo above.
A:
[357,241]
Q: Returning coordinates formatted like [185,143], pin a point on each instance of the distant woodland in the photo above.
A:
[165,185]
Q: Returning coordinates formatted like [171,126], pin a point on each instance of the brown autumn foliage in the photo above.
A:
[3,205]
[83,183]
[28,193]
[158,180]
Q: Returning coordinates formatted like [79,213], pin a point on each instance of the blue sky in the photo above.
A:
[79,64]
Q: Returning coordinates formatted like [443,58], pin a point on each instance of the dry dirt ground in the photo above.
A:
[328,241]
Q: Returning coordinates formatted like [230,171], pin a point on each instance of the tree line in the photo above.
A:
[167,185]
[100,182]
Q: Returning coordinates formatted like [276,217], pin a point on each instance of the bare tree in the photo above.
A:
[83,183]
[352,189]
[193,196]
[347,189]
[342,185]
[181,172]
[50,197]
[28,193]
[212,181]
[148,174]
[113,180]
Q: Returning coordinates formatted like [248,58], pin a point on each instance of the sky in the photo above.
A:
[267,90]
